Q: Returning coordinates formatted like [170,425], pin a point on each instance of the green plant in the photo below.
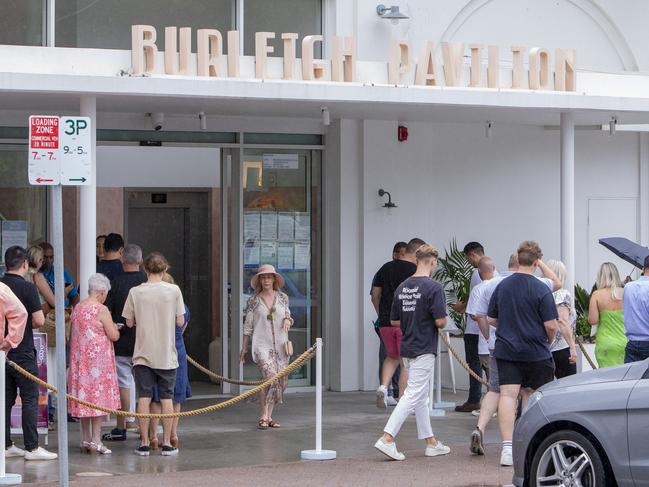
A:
[582,302]
[454,272]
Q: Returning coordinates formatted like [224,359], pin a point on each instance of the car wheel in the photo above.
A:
[567,458]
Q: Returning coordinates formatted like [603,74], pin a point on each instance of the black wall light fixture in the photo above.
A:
[389,204]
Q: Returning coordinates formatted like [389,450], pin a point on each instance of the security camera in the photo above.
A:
[157,120]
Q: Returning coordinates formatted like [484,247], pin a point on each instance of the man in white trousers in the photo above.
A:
[419,308]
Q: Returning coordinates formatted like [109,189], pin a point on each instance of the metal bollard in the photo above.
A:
[5,478]
[318,453]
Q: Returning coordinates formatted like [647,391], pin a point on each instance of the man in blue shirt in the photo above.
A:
[636,317]
[525,316]
[71,291]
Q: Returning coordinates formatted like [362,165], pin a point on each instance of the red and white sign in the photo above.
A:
[44,162]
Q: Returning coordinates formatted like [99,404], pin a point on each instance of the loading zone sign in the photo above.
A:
[59,150]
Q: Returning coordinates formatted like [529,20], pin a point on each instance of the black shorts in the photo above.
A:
[525,374]
[146,377]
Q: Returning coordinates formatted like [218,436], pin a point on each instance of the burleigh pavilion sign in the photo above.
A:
[538,75]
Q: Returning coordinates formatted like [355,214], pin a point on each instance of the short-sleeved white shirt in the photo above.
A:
[478,304]
[472,327]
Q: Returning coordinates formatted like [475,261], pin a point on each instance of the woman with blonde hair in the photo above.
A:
[563,348]
[267,321]
[35,261]
[606,311]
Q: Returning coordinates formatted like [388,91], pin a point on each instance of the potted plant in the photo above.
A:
[583,327]
[454,272]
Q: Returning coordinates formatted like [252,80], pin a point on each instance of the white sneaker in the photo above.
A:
[40,454]
[381,397]
[391,401]
[506,459]
[13,451]
[437,450]
[389,450]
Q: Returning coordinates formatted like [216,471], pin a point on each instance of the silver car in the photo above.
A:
[589,429]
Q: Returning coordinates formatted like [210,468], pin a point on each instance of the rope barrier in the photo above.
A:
[462,362]
[222,378]
[296,364]
[465,365]
[583,350]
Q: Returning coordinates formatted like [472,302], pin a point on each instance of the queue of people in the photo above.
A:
[526,320]
[128,330]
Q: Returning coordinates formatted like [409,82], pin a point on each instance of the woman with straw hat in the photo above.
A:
[267,321]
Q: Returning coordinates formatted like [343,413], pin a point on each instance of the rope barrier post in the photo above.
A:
[318,453]
[439,404]
[5,478]
[450,362]
[433,410]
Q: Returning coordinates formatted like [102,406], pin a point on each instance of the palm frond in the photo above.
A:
[454,272]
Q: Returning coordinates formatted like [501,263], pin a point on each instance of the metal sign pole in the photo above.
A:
[59,296]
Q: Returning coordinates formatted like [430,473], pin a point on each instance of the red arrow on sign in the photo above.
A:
[41,180]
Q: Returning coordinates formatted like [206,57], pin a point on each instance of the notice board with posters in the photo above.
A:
[40,345]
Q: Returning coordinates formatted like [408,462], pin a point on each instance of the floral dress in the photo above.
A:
[268,340]
[92,374]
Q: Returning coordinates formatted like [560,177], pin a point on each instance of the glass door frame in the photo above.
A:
[232,304]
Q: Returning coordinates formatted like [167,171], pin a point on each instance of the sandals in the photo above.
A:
[174,441]
[85,447]
[154,443]
[99,448]
[264,424]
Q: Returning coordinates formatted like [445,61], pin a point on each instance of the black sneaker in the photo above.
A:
[143,451]
[115,434]
[168,451]
[477,445]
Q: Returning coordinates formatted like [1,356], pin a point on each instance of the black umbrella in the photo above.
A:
[626,249]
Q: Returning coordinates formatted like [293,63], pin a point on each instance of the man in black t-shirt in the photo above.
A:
[398,252]
[120,286]
[418,309]
[25,356]
[111,264]
[385,283]
[522,309]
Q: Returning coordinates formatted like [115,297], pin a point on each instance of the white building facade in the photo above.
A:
[278,156]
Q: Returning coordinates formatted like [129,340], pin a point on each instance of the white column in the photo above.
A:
[88,205]
[643,215]
[568,197]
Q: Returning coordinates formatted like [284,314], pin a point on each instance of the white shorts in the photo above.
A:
[124,366]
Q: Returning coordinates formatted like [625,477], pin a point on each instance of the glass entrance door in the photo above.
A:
[280,225]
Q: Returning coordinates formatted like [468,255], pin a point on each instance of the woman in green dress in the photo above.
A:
[606,311]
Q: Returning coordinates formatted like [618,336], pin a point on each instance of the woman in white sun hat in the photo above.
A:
[267,321]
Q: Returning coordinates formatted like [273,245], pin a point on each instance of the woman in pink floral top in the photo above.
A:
[92,374]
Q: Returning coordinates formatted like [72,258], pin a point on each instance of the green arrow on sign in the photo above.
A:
[83,180]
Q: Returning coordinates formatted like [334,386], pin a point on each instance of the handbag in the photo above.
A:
[288,348]
[49,327]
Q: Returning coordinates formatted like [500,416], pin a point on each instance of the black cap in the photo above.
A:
[646,262]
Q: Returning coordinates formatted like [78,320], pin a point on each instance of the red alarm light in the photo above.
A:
[402,133]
